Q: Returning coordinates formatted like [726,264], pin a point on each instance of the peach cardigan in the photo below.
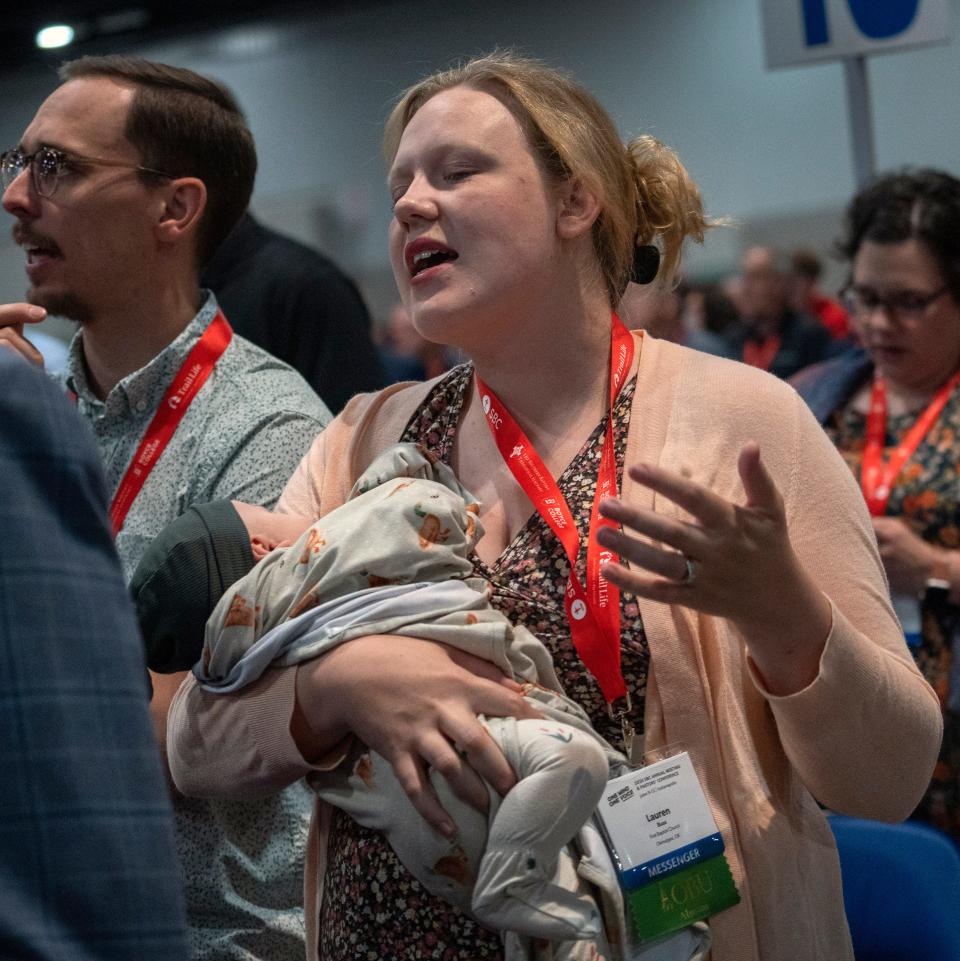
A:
[862,738]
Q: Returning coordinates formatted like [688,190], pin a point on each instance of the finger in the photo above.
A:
[883,529]
[684,537]
[451,762]
[413,778]
[13,341]
[483,754]
[16,315]
[708,508]
[666,591]
[478,666]
[665,563]
[757,483]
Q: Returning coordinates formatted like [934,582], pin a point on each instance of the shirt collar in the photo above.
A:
[142,390]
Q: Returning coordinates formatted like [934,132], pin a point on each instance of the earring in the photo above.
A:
[646,263]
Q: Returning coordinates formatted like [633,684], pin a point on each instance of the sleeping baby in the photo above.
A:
[394,559]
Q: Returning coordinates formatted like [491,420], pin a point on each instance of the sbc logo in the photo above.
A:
[578,610]
[876,19]
[486,403]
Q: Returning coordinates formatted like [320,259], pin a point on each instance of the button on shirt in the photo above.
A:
[241,438]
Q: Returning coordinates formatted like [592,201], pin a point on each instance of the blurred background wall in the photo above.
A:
[770,150]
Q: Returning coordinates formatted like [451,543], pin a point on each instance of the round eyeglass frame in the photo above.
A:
[14,162]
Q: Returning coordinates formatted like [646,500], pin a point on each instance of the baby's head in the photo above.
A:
[188,567]
[266,530]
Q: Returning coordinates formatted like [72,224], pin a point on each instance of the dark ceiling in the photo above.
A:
[105,25]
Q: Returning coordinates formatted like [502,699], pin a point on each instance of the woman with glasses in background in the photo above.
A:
[893,411]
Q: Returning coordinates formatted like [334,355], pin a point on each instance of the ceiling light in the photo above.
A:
[57,35]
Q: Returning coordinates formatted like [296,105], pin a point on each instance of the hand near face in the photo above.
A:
[743,566]
[12,320]
[907,558]
[415,703]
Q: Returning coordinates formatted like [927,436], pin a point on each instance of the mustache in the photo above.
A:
[24,236]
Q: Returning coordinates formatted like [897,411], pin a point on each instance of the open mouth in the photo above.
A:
[37,247]
[422,256]
[36,255]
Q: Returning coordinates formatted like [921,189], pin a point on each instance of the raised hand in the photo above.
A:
[730,560]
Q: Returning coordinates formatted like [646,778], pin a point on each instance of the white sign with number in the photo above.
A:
[801,31]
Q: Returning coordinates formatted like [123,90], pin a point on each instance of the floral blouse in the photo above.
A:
[927,495]
[373,907]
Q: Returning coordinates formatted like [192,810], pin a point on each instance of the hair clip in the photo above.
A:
[646,263]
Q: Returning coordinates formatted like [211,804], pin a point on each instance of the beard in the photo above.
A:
[62,304]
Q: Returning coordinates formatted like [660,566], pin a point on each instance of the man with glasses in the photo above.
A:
[124,184]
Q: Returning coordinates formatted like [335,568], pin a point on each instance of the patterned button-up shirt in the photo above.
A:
[241,438]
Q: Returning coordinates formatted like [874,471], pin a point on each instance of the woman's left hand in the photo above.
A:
[730,560]
[908,559]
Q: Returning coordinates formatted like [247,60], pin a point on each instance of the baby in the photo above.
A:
[394,560]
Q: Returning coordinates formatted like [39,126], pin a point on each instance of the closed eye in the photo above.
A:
[457,174]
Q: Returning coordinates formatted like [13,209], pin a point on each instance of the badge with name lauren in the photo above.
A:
[666,847]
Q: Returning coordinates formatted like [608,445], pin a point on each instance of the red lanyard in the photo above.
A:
[186,384]
[876,478]
[594,613]
[761,354]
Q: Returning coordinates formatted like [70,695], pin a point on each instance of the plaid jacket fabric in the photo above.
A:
[87,864]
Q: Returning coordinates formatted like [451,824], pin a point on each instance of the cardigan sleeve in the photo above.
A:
[240,745]
[236,746]
[864,735]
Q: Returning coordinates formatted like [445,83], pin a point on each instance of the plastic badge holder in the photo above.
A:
[665,847]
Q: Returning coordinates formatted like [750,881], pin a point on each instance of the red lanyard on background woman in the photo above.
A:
[592,612]
[877,478]
[186,384]
[761,353]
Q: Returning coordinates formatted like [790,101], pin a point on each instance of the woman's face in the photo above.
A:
[914,348]
[473,242]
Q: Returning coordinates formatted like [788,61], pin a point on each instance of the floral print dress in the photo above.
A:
[373,908]
[927,495]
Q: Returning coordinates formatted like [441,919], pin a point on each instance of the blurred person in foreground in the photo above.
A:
[772,335]
[893,410]
[88,867]
[741,625]
[806,295]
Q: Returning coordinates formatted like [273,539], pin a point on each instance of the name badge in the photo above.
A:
[666,847]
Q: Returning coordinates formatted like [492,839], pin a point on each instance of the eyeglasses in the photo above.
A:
[47,165]
[905,304]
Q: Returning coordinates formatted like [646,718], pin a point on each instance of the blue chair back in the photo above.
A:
[901,890]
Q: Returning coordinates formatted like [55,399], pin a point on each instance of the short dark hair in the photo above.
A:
[187,126]
[805,263]
[922,203]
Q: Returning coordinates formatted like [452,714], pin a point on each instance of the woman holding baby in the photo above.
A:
[744,629]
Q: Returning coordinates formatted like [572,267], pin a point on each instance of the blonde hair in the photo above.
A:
[646,195]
